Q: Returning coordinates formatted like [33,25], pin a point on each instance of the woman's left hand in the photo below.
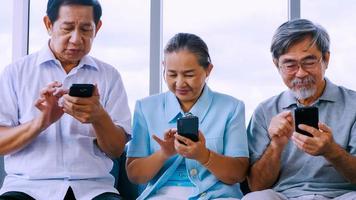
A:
[192,150]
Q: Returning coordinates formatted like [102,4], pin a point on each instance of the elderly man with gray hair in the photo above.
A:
[286,164]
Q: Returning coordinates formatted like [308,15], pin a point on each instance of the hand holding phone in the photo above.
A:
[308,116]
[188,126]
[81,90]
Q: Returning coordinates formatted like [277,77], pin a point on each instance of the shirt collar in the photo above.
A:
[329,94]
[173,110]
[46,55]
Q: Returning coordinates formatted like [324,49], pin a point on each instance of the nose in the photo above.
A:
[75,37]
[180,81]
[301,72]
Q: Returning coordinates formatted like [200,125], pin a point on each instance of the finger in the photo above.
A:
[76,100]
[168,134]
[39,103]
[285,114]
[54,84]
[180,148]
[96,90]
[45,92]
[315,132]
[59,93]
[298,143]
[201,137]
[324,127]
[300,137]
[158,140]
[183,139]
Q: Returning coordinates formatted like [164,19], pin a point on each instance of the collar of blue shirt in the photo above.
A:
[173,110]
[330,94]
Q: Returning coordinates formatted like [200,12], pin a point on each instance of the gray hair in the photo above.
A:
[192,43]
[295,31]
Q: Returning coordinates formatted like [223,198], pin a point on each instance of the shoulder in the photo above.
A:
[226,100]
[20,65]
[105,67]
[151,102]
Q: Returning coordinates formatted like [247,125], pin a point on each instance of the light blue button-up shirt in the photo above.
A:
[222,121]
[64,154]
[301,173]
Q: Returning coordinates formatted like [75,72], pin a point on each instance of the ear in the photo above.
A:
[275,62]
[98,26]
[47,22]
[208,70]
[164,70]
[326,58]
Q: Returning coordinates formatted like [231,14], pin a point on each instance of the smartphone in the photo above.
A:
[188,126]
[308,116]
[81,90]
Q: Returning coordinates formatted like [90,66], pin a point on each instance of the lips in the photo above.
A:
[182,91]
[73,51]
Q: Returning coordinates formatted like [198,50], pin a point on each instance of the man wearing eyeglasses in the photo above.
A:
[286,164]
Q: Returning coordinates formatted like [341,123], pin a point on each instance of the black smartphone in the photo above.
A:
[81,90]
[308,116]
[188,126]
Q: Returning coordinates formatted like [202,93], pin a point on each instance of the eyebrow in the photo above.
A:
[293,60]
[187,71]
[82,24]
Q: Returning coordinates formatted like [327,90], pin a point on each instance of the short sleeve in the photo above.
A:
[139,145]
[257,135]
[117,104]
[8,99]
[235,135]
[352,143]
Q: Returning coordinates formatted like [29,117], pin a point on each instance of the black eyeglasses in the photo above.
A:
[291,67]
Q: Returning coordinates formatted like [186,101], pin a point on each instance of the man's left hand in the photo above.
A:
[84,109]
[319,144]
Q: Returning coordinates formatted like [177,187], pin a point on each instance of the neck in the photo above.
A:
[310,100]
[186,106]
[68,66]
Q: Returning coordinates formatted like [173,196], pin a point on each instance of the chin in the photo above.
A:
[304,93]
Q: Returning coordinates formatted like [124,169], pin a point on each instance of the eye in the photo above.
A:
[309,62]
[189,75]
[86,28]
[289,65]
[171,75]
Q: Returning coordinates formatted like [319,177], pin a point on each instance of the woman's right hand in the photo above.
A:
[167,144]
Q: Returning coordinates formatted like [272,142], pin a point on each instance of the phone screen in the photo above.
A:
[81,90]
[188,127]
[308,116]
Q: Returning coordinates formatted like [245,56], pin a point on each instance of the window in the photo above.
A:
[5,34]
[238,34]
[122,41]
[338,19]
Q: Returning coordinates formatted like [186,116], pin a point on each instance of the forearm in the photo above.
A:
[264,173]
[229,170]
[15,138]
[343,162]
[110,138]
[142,170]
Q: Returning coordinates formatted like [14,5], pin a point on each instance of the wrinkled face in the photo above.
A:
[184,76]
[302,69]
[72,34]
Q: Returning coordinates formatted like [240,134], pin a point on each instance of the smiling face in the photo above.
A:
[185,77]
[72,34]
[307,81]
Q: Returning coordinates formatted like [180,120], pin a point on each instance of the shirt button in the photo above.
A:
[193,172]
